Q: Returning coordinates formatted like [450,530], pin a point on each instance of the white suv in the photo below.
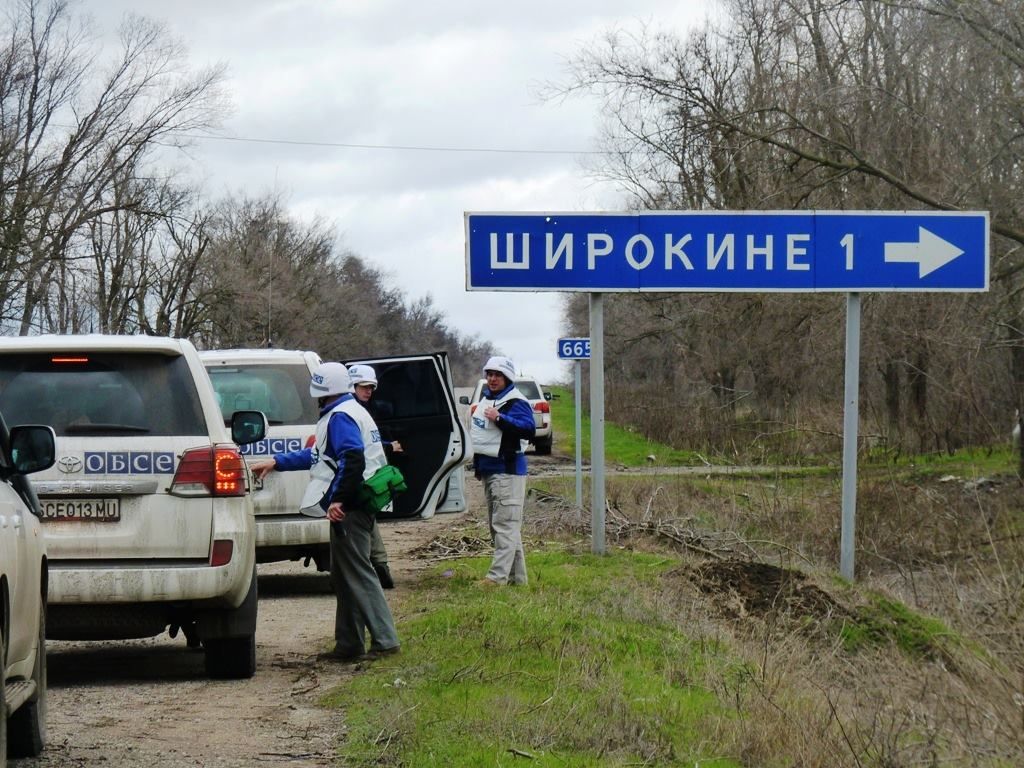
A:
[416,407]
[147,514]
[275,381]
[540,402]
[24,450]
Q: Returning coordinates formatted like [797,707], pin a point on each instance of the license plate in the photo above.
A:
[85,510]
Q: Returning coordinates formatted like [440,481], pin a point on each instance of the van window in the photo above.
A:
[88,393]
[280,391]
[410,389]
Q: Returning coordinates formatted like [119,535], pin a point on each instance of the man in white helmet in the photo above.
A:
[364,385]
[502,422]
[347,449]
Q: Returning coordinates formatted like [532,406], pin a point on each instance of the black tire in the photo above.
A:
[3,701]
[322,558]
[26,732]
[543,447]
[231,658]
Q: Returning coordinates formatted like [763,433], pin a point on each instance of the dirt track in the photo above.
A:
[148,703]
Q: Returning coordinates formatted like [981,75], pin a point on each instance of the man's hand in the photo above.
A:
[262,468]
[491,413]
[335,513]
[396,446]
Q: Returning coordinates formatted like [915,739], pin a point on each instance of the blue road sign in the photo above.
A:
[760,251]
[574,349]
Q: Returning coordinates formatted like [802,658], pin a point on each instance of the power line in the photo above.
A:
[398,147]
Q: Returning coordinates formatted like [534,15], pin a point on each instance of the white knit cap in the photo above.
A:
[502,365]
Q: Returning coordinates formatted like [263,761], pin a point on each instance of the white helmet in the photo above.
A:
[329,379]
[362,374]
[502,365]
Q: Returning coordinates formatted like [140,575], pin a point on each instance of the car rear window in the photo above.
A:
[86,393]
[529,389]
[280,391]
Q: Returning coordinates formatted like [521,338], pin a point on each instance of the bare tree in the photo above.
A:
[71,129]
[817,104]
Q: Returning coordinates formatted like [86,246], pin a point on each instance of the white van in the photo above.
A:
[421,414]
[147,515]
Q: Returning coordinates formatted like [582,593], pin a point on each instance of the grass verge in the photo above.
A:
[576,669]
[622,445]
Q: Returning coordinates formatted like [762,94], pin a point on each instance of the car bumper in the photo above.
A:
[291,531]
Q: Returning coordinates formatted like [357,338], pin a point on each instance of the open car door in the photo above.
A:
[415,405]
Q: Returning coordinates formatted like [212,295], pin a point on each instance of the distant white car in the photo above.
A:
[147,515]
[540,402]
[417,407]
[23,575]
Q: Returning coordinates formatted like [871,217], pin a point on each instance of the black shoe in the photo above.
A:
[384,576]
[341,656]
[379,653]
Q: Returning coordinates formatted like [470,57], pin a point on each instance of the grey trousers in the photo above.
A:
[505,496]
[361,603]
[378,555]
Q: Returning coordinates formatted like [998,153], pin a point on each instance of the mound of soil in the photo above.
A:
[740,589]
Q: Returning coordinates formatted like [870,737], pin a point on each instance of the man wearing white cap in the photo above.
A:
[502,423]
[364,384]
[347,449]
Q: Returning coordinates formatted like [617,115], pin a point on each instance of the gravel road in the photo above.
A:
[128,704]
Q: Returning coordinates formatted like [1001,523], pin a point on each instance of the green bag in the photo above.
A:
[378,490]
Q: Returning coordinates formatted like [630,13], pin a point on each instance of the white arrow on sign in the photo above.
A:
[929,252]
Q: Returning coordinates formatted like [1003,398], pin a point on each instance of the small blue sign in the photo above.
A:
[574,349]
[759,251]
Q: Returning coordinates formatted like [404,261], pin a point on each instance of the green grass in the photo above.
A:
[626,447]
[621,444]
[573,670]
[884,621]
[966,462]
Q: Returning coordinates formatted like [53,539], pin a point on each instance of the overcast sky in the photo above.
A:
[395,74]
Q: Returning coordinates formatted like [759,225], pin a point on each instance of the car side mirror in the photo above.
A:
[33,448]
[248,426]
[463,400]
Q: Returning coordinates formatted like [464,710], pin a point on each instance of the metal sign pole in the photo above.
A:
[577,368]
[597,423]
[851,397]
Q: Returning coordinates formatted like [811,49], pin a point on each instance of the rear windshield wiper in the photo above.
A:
[101,427]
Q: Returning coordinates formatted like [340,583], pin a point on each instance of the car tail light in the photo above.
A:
[542,407]
[310,441]
[210,471]
[221,552]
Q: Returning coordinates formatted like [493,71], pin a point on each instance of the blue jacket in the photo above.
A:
[344,445]
[516,424]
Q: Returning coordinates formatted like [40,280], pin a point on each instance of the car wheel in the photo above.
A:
[3,702]
[322,559]
[27,728]
[231,658]
[543,447]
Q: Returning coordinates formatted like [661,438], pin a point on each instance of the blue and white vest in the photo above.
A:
[484,434]
[324,468]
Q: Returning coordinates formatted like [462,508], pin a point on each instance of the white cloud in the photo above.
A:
[386,72]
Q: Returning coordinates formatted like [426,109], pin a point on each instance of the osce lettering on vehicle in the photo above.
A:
[271,446]
[574,349]
[129,463]
[837,251]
